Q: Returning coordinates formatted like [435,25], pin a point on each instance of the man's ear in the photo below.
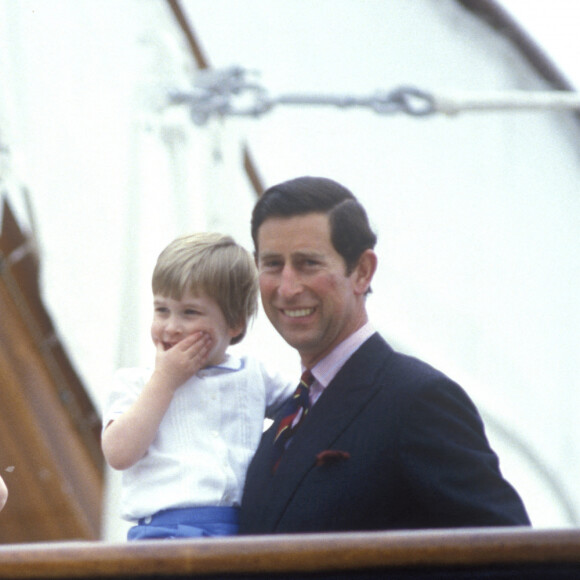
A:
[364,271]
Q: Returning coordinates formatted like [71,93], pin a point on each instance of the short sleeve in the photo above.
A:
[126,386]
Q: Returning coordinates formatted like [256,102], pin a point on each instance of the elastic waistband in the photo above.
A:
[196,515]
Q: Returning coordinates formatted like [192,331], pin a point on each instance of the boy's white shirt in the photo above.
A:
[206,439]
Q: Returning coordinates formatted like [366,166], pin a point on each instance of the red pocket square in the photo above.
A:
[330,456]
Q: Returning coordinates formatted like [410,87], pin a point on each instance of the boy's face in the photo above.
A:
[173,320]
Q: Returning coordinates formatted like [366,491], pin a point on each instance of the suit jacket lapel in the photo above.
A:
[341,402]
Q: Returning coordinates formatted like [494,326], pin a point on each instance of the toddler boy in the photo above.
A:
[184,433]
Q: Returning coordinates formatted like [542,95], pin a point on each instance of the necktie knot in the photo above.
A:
[307,378]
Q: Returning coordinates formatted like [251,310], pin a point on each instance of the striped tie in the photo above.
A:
[293,413]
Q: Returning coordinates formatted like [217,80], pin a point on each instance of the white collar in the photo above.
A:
[230,363]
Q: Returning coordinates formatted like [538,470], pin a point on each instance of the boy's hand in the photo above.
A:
[182,360]
[126,439]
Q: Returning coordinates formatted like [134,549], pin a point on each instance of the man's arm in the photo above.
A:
[451,465]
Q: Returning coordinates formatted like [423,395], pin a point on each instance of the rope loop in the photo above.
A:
[232,92]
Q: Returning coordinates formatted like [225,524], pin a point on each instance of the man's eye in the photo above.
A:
[270,264]
[310,263]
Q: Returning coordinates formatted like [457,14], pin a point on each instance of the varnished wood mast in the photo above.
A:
[299,554]
[202,62]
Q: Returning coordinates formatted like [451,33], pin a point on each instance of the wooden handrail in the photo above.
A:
[296,554]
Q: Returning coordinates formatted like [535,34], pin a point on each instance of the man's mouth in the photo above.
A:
[299,312]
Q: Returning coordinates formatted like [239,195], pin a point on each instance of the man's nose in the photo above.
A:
[290,283]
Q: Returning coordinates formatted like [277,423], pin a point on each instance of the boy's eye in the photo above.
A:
[191,312]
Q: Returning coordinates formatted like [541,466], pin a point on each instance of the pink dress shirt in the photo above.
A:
[325,370]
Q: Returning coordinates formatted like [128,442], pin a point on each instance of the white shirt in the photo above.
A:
[206,439]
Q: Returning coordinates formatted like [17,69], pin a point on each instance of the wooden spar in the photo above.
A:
[498,18]
[203,63]
[200,59]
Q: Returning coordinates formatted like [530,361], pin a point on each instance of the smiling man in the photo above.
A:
[305,292]
[380,440]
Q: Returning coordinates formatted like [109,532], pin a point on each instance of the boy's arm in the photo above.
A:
[126,439]
[278,390]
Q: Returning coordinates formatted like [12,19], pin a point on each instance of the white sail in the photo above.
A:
[477,214]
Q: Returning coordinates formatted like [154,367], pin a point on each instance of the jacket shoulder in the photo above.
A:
[377,359]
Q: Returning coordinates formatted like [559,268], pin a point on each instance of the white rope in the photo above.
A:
[456,102]
[229,92]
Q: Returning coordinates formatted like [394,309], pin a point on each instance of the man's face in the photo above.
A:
[305,291]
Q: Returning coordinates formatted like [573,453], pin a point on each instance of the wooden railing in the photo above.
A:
[474,553]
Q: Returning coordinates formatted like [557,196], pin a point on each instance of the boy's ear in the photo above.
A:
[236,331]
[233,332]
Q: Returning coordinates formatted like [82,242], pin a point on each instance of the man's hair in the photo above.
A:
[216,265]
[350,231]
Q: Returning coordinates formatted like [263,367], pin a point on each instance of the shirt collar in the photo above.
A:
[230,363]
[326,369]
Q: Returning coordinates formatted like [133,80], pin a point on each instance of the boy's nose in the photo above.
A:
[173,325]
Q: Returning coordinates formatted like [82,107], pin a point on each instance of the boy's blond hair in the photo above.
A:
[216,265]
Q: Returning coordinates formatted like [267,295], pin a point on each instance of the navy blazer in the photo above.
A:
[391,444]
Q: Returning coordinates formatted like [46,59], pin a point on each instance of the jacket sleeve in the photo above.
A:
[451,469]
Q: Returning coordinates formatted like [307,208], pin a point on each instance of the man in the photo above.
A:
[384,441]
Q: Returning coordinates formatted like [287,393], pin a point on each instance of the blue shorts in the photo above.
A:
[187,523]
